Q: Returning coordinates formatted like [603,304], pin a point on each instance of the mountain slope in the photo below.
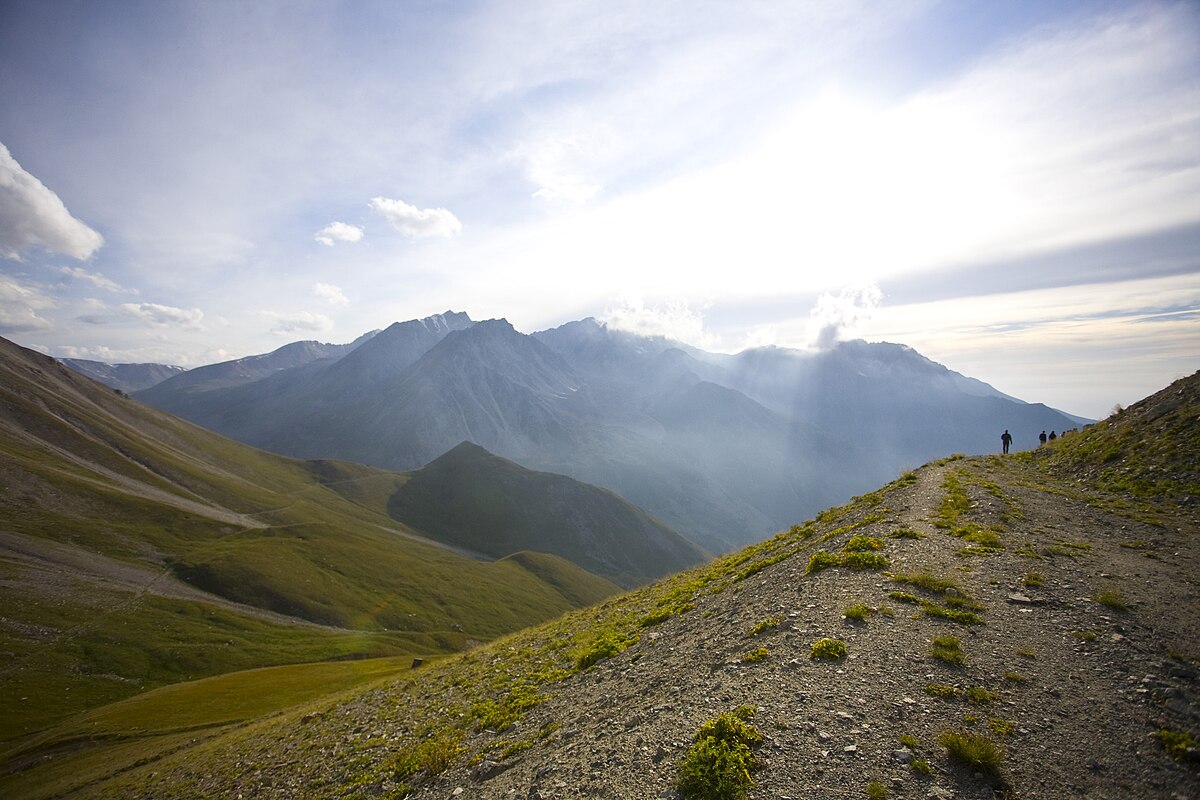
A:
[139,549]
[125,377]
[487,504]
[1019,603]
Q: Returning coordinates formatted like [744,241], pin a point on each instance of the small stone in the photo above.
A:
[902,756]
[850,748]
[457,791]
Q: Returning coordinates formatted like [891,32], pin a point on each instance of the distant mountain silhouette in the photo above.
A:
[723,448]
[125,377]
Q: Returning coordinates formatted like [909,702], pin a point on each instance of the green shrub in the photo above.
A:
[858,612]
[1176,743]
[862,543]
[767,624]
[974,750]
[821,560]
[718,765]
[831,649]
[905,533]
[860,560]
[757,654]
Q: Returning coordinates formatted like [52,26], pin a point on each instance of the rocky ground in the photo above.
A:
[1088,649]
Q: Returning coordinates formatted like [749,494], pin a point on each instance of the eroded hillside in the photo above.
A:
[1004,604]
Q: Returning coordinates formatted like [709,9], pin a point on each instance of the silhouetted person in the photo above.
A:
[1052,436]
[1006,439]
[1042,438]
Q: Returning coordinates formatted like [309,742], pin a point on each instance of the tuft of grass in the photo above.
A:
[876,791]
[1015,677]
[821,560]
[828,649]
[1113,599]
[905,597]
[1176,743]
[757,654]
[1026,652]
[718,765]
[1084,636]
[1001,727]
[921,766]
[941,690]
[927,581]
[860,560]
[1033,579]
[911,742]
[770,623]
[860,543]
[973,750]
[979,696]
[905,533]
[858,612]
[606,645]
[961,617]
[948,649]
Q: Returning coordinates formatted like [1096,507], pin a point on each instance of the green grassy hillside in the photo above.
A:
[1021,604]
[137,550]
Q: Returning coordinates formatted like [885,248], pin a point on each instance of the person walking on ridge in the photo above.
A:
[1042,438]
[1006,439]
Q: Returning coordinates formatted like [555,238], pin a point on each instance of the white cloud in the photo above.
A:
[96,279]
[417,223]
[835,318]
[162,316]
[331,294]
[675,320]
[19,306]
[339,232]
[33,216]
[299,321]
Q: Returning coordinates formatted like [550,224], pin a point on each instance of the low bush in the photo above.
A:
[718,765]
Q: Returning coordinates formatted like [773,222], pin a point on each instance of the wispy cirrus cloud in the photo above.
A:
[32,215]
[96,279]
[336,232]
[164,316]
[417,223]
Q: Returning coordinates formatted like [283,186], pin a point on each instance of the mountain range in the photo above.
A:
[725,449]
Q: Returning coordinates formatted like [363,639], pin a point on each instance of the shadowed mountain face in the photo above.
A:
[471,498]
[727,449]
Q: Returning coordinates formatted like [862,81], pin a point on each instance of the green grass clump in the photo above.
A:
[876,791]
[604,646]
[1001,727]
[961,617]
[941,690]
[757,654]
[1113,600]
[1033,579]
[829,649]
[1176,743]
[1015,677]
[1084,636]
[661,615]
[860,560]
[921,766]
[860,542]
[927,581]
[905,597]
[911,742]
[979,696]
[770,623]
[821,560]
[718,765]
[974,750]
[948,649]
[905,533]
[858,612]
[430,757]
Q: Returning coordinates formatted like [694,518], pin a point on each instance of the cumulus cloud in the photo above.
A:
[339,232]
[96,279]
[162,316]
[300,321]
[417,223]
[675,320]
[331,294]
[33,216]
[838,317]
[19,306]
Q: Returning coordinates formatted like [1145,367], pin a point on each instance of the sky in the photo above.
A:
[1012,188]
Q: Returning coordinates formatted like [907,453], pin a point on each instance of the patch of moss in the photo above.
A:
[828,649]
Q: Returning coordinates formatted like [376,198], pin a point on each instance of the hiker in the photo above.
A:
[1042,438]
[1006,439]
[1052,436]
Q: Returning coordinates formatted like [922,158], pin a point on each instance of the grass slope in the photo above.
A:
[137,550]
[644,669]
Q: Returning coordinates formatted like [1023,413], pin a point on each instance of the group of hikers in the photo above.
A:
[1006,438]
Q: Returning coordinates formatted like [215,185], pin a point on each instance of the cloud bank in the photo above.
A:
[33,216]
[417,223]
[331,294]
[19,306]
[301,321]
[164,316]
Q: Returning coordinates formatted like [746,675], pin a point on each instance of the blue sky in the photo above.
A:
[1011,188]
